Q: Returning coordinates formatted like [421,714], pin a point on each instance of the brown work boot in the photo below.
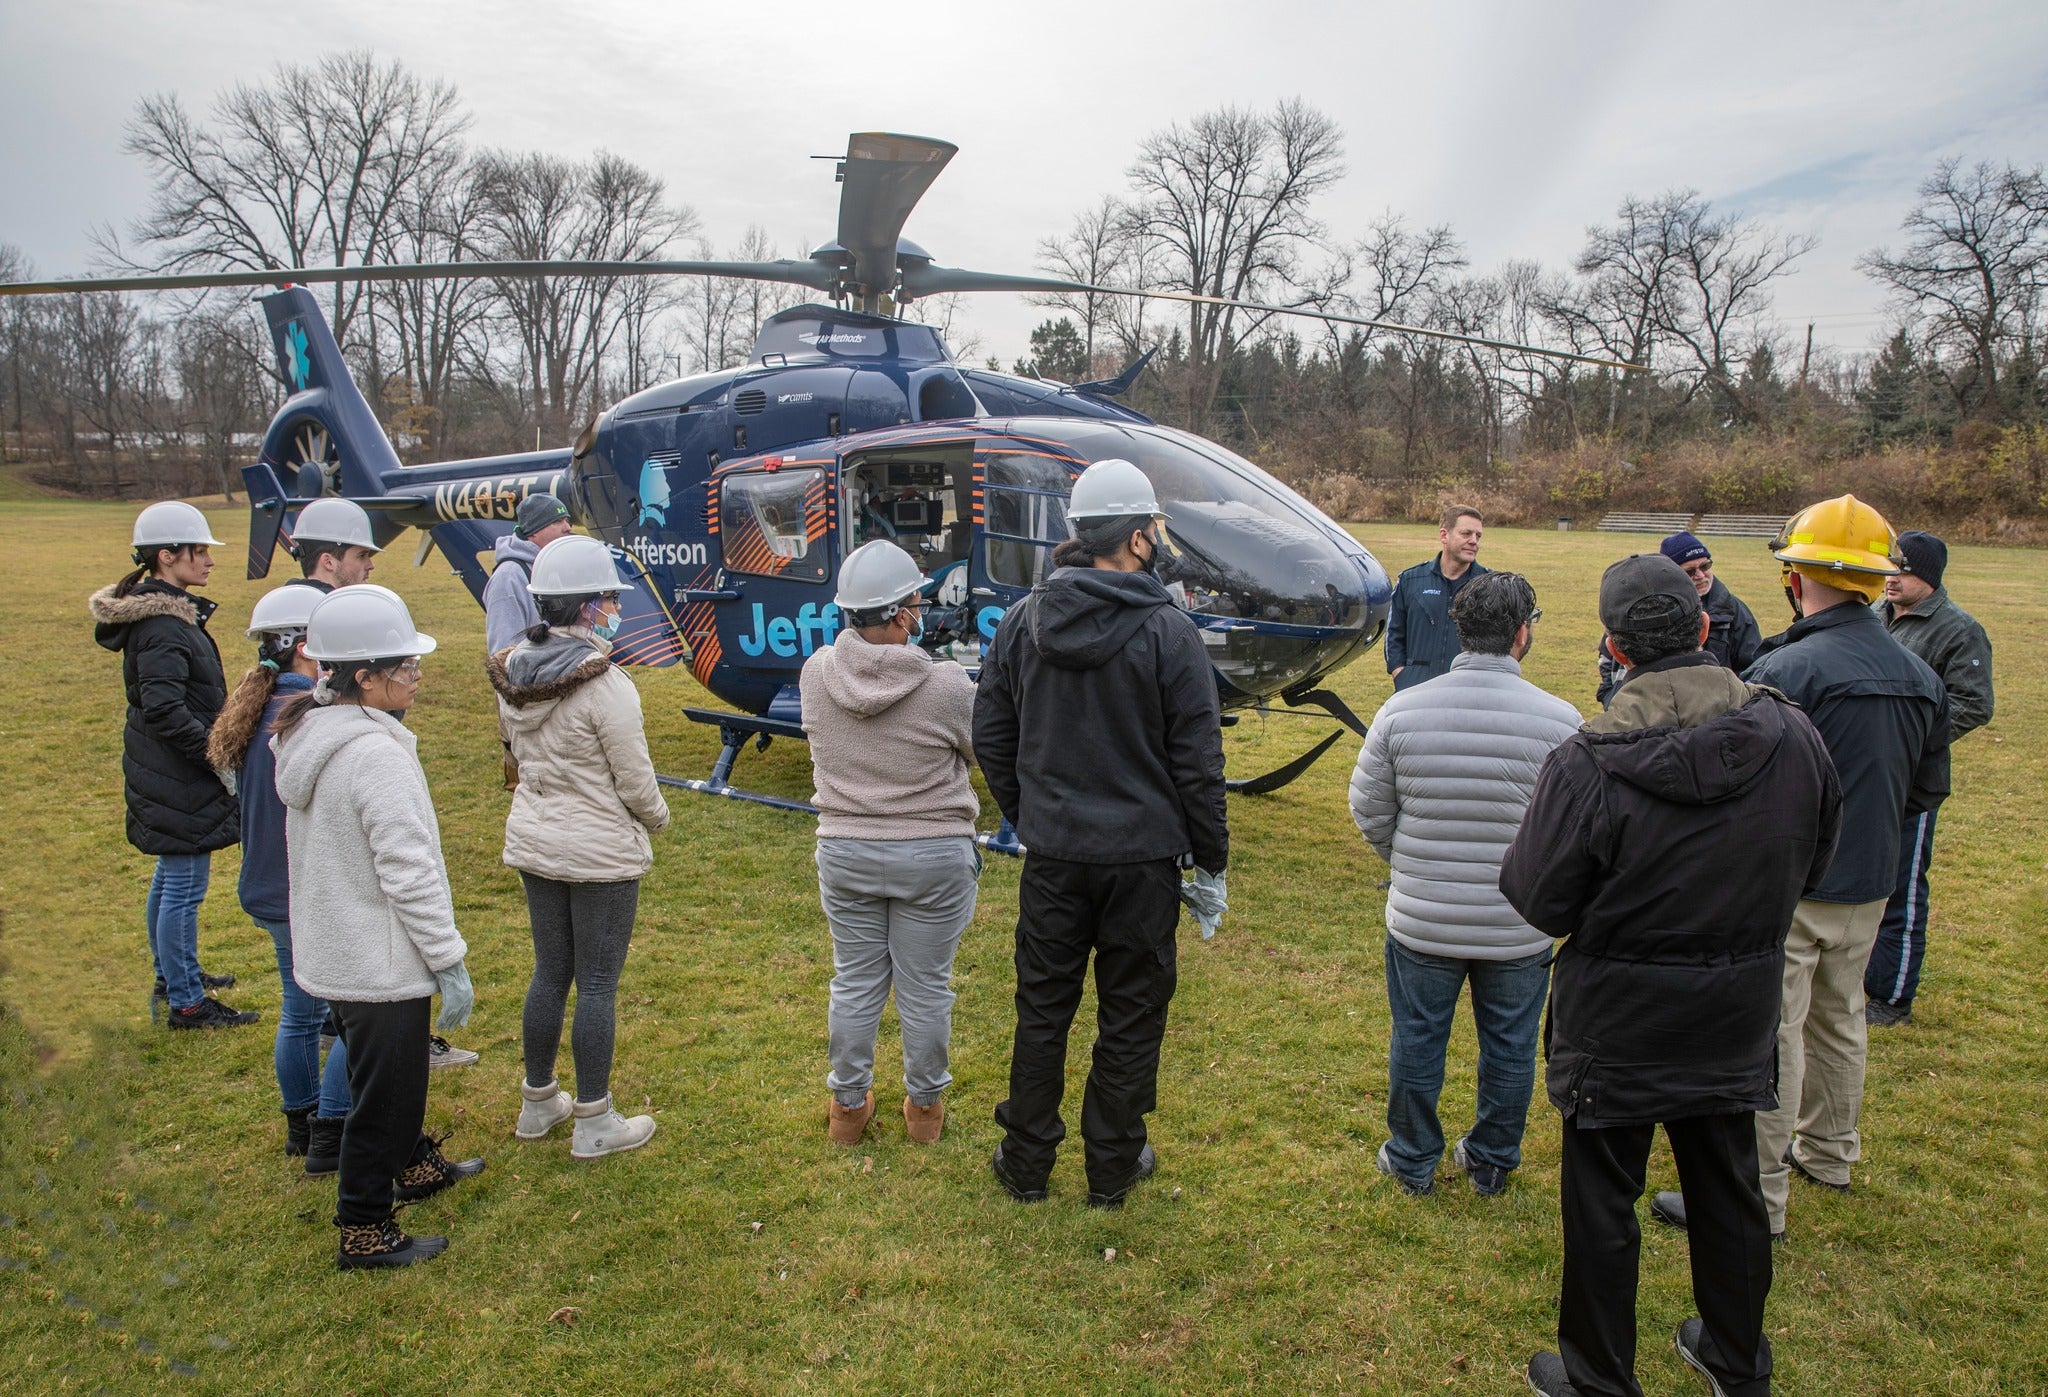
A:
[846,1123]
[924,1122]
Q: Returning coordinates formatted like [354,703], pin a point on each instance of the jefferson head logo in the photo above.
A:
[654,493]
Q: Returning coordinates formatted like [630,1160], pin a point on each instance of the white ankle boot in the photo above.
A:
[546,1107]
[600,1130]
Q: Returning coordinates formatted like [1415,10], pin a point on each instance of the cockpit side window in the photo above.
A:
[771,523]
[1025,516]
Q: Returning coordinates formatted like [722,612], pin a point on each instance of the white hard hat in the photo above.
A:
[877,576]
[288,608]
[1112,489]
[575,565]
[335,521]
[171,524]
[363,622]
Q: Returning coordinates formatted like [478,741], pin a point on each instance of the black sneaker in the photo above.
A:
[432,1172]
[1148,1165]
[1879,1014]
[1547,1377]
[1009,1182]
[211,1013]
[1688,1341]
[216,982]
[1487,1181]
[383,1244]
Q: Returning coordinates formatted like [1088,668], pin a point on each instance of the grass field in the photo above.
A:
[152,1235]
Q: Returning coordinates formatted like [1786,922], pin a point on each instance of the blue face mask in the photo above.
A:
[916,629]
[608,627]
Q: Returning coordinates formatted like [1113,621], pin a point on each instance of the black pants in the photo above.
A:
[1126,914]
[387,1082]
[1728,1231]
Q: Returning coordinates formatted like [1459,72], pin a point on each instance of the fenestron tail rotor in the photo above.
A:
[870,264]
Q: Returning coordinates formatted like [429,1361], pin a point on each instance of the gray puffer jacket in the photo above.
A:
[1446,771]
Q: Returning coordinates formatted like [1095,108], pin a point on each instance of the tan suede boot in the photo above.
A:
[845,1123]
[924,1122]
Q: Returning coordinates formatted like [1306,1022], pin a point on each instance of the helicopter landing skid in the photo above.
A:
[734,731]
[1281,776]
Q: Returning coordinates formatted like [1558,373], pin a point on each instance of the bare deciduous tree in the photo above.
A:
[1096,252]
[539,207]
[1225,201]
[310,169]
[1969,280]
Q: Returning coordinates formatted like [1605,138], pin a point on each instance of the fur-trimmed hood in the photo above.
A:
[114,615]
[533,678]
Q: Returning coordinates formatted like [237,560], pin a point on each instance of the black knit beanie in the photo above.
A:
[1926,556]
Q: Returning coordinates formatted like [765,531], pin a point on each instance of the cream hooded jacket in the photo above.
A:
[372,919]
[587,799]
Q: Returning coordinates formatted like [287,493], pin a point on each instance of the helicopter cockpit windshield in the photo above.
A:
[1241,548]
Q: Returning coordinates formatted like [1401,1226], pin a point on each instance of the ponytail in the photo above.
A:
[239,719]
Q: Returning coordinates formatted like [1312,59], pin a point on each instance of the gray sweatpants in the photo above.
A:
[897,908]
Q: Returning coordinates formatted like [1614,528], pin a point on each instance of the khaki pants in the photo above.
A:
[1821,1039]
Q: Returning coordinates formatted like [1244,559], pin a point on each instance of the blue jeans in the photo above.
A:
[175,892]
[1507,1010]
[1893,975]
[299,1079]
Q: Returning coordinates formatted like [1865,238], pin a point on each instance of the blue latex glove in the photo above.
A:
[1207,896]
[457,995]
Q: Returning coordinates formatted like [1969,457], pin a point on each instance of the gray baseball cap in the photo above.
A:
[1645,590]
[536,512]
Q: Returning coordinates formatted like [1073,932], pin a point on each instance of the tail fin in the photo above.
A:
[266,516]
[325,423]
[1121,384]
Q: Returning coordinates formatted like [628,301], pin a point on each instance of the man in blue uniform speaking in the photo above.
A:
[1421,641]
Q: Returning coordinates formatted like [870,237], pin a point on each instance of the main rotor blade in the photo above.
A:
[885,176]
[929,280]
[815,275]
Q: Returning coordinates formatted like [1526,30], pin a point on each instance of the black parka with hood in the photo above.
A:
[1097,725]
[1668,843]
[172,671]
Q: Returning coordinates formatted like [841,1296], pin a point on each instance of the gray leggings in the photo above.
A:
[580,935]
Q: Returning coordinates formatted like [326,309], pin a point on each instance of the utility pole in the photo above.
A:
[1807,358]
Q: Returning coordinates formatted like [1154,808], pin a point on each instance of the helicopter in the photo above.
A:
[729,498]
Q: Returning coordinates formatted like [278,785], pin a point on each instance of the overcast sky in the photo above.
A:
[1518,124]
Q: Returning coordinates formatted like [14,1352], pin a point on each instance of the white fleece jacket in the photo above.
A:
[372,917]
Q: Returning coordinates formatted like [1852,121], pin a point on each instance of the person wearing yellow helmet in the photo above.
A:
[1884,717]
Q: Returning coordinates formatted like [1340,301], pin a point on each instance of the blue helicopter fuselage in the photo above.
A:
[730,498]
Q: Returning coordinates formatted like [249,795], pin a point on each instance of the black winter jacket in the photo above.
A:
[1884,716]
[1422,640]
[1668,843]
[1096,724]
[1732,638]
[171,669]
